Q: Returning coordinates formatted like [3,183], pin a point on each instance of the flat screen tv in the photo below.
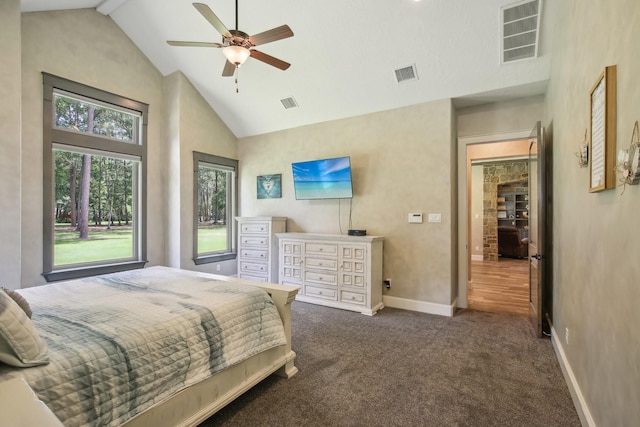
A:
[323,179]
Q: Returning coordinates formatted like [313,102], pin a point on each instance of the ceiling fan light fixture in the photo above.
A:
[236,54]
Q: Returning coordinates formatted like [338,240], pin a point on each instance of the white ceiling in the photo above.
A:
[343,55]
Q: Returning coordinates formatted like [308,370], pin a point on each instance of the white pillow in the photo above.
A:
[20,344]
[19,299]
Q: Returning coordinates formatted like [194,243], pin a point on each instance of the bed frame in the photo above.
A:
[198,402]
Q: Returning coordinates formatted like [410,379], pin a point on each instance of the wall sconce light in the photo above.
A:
[629,160]
[583,152]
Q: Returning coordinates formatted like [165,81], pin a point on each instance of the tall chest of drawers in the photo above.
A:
[333,270]
[258,247]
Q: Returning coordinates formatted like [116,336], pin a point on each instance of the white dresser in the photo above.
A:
[258,247]
[333,270]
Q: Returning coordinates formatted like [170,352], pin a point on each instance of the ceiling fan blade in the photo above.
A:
[272,35]
[212,18]
[228,69]
[268,59]
[193,44]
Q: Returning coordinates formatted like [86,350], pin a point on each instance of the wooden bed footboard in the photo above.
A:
[282,296]
[193,405]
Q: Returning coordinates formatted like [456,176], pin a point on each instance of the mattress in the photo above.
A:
[120,343]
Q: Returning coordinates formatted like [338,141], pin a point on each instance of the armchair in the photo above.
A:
[510,244]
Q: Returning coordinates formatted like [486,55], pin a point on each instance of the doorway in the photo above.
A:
[501,283]
[498,235]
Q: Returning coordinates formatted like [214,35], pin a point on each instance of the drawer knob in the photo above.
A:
[320,293]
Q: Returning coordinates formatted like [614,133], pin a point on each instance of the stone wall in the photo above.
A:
[515,173]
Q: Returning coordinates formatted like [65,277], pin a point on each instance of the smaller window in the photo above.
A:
[215,205]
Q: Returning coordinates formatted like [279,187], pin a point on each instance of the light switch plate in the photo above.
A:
[435,217]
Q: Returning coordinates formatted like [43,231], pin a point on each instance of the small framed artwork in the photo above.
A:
[269,186]
[602,145]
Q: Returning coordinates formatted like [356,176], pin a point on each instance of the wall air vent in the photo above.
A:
[520,27]
[406,74]
[289,102]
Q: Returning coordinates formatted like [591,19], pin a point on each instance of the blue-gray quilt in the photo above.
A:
[120,343]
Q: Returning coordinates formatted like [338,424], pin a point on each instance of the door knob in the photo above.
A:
[537,256]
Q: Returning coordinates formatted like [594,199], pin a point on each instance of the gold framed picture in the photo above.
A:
[602,144]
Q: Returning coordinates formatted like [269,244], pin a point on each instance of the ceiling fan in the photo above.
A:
[237,46]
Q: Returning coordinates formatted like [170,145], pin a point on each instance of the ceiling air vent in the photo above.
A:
[406,74]
[289,103]
[520,30]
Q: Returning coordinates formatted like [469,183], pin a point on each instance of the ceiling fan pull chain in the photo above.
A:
[237,72]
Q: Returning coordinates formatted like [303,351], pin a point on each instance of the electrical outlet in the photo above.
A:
[566,336]
[387,283]
[217,267]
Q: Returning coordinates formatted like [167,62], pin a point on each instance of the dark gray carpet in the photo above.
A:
[402,368]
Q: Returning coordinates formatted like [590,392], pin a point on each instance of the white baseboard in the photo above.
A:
[420,306]
[477,257]
[576,394]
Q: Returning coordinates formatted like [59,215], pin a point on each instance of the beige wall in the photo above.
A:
[401,162]
[10,144]
[477,213]
[596,291]
[498,117]
[199,129]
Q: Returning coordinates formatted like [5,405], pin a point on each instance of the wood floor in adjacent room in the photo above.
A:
[499,286]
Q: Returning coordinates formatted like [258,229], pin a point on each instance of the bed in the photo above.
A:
[157,346]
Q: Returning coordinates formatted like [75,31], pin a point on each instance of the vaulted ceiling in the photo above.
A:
[343,55]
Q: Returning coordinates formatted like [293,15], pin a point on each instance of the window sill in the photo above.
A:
[207,259]
[76,273]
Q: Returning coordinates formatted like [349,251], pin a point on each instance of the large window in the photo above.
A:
[214,208]
[94,181]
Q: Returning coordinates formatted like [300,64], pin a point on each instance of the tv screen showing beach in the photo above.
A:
[323,179]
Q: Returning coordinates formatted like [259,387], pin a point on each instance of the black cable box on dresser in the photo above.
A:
[357,232]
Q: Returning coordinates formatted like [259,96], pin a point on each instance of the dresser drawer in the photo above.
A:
[253,277]
[252,268]
[324,293]
[255,227]
[353,298]
[327,249]
[323,263]
[254,241]
[254,254]
[325,278]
